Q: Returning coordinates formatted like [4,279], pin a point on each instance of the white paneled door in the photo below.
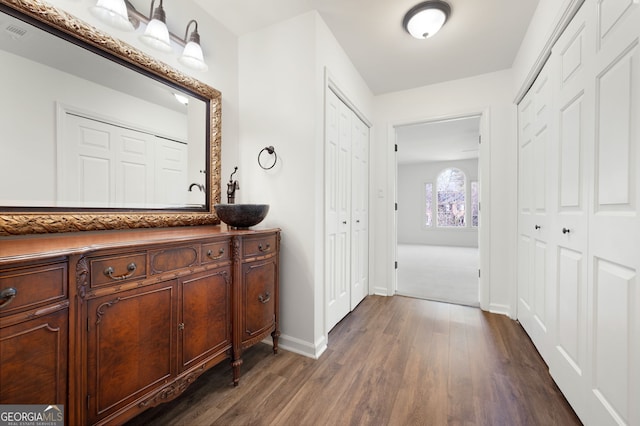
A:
[346,209]
[101,164]
[535,195]
[579,250]
[573,113]
[614,235]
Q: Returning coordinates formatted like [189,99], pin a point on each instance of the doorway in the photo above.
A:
[438,213]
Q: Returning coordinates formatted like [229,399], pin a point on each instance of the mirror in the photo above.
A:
[94,137]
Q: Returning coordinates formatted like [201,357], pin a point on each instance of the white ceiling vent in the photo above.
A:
[15,32]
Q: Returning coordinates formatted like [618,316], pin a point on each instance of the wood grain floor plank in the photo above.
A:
[393,361]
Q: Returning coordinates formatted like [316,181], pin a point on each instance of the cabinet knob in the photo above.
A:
[6,296]
[537,227]
[566,230]
[130,267]
[181,326]
[265,299]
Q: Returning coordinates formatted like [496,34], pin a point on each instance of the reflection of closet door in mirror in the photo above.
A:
[108,165]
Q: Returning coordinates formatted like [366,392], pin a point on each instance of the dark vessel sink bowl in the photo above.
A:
[242,216]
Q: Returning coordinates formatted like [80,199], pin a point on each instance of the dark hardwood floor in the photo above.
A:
[392,361]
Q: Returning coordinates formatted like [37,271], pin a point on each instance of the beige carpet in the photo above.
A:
[445,274]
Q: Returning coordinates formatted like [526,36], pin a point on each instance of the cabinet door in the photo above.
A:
[131,346]
[33,355]
[259,298]
[205,323]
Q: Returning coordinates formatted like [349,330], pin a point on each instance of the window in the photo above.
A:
[428,195]
[475,207]
[451,198]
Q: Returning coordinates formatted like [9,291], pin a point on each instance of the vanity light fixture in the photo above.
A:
[156,34]
[192,54]
[425,19]
[123,15]
[114,13]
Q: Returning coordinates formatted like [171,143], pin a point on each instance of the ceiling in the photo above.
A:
[481,36]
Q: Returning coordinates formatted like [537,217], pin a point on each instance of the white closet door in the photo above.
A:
[574,155]
[171,181]
[103,165]
[360,212]
[535,300]
[614,238]
[347,209]
[338,209]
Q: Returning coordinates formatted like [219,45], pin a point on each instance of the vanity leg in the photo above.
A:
[236,371]
[275,336]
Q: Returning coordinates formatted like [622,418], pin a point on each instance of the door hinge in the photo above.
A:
[396,207]
[396,147]
[88,398]
[88,325]
[479,205]
[478,273]
[479,139]
[396,264]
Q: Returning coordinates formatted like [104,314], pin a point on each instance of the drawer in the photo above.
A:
[174,258]
[31,286]
[114,269]
[215,252]
[259,246]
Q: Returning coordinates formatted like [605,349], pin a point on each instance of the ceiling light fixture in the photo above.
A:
[122,15]
[425,19]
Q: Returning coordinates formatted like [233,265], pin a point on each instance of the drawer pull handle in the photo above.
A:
[566,230]
[130,267]
[221,253]
[265,248]
[7,295]
[265,299]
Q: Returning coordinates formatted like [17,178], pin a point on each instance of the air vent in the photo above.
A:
[15,32]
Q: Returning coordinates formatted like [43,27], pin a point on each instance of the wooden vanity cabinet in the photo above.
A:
[34,332]
[122,321]
[257,263]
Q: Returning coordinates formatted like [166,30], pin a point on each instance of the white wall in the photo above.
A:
[491,95]
[411,205]
[282,83]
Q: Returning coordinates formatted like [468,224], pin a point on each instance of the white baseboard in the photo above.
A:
[300,347]
[496,308]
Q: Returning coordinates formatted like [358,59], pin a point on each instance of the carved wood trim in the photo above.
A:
[47,222]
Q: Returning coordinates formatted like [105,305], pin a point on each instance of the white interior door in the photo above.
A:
[347,209]
[614,237]
[573,154]
[338,209]
[360,212]
[535,192]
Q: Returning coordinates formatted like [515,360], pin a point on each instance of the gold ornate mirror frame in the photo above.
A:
[38,222]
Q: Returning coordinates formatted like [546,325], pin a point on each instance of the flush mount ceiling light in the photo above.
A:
[426,19]
[121,14]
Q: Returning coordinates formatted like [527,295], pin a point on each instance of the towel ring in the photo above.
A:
[270,150]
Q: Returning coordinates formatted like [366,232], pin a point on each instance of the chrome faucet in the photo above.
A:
[232,187]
